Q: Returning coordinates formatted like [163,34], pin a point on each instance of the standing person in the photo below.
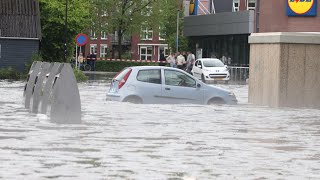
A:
[180,61]
[190,60]
[92,61]
[80,60]
[184,54]
[162,59]
[172,60]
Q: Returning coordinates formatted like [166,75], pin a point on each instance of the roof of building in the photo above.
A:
[20,18]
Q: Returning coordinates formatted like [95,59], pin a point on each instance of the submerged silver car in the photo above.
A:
[164,85]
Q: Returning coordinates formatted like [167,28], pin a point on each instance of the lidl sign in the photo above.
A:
[302,8]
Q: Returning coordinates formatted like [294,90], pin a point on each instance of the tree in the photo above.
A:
[53,26]
[125,16]
[169,25]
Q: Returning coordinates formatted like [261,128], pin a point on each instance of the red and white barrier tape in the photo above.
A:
[126,60]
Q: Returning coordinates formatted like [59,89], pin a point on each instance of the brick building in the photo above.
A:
[146,46]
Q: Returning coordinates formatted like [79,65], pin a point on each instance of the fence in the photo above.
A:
[238,74]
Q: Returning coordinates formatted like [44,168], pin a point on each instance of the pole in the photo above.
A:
[66,33]
[177,38]
[76,56]
[82,55]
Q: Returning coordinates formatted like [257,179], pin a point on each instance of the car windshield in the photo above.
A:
[212,63]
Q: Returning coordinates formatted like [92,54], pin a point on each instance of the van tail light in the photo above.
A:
[124,80]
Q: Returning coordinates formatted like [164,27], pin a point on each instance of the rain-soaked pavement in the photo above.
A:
[127,141]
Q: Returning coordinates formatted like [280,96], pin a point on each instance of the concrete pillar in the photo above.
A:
[285,69]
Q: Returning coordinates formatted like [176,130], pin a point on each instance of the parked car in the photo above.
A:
[210,70]
[164,85]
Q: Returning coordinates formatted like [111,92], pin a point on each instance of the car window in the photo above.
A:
[149,76]
[196,63]
[176,78]
[199,63]
[212,63]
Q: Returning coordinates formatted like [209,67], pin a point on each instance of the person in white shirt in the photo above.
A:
[180,60]
[190,60]
[171,60]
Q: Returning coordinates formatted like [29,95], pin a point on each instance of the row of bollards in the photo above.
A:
[52,89]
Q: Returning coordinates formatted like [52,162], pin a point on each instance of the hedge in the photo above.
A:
[116,66]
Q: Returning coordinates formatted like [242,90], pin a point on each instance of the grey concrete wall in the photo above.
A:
[219,24]
[285,70]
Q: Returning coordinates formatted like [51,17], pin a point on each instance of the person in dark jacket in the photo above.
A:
[162,59]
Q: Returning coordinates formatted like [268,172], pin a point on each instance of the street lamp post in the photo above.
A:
[177,38]
[66,33]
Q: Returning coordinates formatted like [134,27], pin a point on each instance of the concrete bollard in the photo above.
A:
[47,87]
[37,94]
[52,89]
[64,97]
[28,89]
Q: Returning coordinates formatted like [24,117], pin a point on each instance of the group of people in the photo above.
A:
[182,61]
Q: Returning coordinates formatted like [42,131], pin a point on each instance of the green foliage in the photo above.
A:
[80,76]
[125,16]
[169,26]
[9,73]
[116,66]
[53,26]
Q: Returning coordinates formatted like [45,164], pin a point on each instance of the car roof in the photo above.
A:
[152,67]
[209,59]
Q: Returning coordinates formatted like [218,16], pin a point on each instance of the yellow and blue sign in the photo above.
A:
[302,8]
[193,7]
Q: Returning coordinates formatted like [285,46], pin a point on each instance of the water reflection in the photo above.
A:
[127,141]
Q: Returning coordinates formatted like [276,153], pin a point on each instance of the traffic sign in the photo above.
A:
[81,39]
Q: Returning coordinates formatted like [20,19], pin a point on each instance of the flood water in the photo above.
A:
[128,141]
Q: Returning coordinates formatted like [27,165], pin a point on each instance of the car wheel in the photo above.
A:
[203,79]
[216,101]
[134,100]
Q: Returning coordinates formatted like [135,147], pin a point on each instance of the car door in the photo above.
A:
[179,87]
[198,71]
[148,85]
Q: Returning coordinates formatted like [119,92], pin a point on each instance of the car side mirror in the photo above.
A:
[198,85]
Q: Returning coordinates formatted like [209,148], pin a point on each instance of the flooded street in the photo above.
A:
[128,141]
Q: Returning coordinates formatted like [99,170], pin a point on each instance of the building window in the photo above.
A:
[103,50]
[251,4]
[236,5]
[147,33]
[163,49]
[93,49]
[162,34]
[145,52]
[93,34]
[104,35]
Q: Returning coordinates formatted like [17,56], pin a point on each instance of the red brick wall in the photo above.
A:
[273,18]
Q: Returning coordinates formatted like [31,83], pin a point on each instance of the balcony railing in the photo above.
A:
[126,40]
